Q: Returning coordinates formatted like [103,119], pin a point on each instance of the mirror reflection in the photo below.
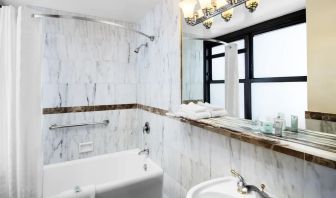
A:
[256,66]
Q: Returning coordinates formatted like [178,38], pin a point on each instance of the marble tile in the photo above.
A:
[319,181]
[62,144]
[193,172]
[83,57]
[159,67]
[171,188]
[221,157]
[282,174]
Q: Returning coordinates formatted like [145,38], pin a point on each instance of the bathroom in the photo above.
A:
[167,99]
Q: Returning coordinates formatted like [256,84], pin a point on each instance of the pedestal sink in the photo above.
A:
[225,187]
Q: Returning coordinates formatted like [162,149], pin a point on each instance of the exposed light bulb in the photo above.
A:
[200,13]
[187,7]
[221,3]
[205,4]
[208,23]
[227,15]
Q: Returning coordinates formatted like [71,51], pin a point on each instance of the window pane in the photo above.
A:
[241,65]
[218,49]
[217,96]
[281,52]
[289,98]
[218,68]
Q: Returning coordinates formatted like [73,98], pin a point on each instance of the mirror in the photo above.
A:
[273,61]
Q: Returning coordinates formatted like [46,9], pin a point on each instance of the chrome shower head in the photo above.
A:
[138,48]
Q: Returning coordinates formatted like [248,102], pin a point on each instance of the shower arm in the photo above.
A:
[151,38]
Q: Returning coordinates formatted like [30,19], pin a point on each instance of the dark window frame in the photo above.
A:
[247,35]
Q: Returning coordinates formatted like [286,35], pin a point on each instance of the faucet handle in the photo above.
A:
[262,186]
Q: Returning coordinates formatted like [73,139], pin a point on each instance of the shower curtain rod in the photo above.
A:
[207,39]
[151,38]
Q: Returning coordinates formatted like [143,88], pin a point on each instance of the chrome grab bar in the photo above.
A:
[55,126]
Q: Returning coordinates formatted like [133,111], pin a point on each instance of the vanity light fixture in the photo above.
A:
[252,5]
[211,8]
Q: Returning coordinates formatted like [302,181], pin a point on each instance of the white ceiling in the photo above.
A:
[134,10]
[268,9]
[125,10]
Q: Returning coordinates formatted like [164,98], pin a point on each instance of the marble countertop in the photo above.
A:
[230,128]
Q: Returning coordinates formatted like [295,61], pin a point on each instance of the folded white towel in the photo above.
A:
[196,116]
[84,192]
[192,107]
[175,114]
[220,113]
[210,107]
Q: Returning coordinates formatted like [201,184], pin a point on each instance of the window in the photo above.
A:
[272,61]
[217,83]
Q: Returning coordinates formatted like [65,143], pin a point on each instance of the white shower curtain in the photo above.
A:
[20,104]
[231,80]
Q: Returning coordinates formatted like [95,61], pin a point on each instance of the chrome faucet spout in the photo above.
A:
[144,152]
[243,188]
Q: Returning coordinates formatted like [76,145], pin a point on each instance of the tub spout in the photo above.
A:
[144,152]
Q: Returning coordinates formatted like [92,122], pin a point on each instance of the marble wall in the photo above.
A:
[85,64]
[190,155]
[63,144]
[158,66]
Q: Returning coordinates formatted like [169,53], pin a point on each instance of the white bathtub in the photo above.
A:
[117,175]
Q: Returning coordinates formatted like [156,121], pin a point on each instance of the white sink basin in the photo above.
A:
[225,187]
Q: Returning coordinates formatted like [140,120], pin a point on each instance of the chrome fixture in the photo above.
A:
[206,39]
[138,48]
[55,126]
[151,38]
[211,8]
[243,188]
[146,128]
[145,167]
[144,152]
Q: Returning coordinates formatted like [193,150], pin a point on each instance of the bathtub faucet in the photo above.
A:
[144,151]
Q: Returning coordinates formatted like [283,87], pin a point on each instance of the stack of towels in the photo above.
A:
[199,111]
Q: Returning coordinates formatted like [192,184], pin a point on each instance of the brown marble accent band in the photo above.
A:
[320,116]
[152,109]
[78,109]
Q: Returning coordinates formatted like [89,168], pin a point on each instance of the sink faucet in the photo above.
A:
[243,188]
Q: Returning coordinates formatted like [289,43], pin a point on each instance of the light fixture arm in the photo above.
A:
[232,4]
